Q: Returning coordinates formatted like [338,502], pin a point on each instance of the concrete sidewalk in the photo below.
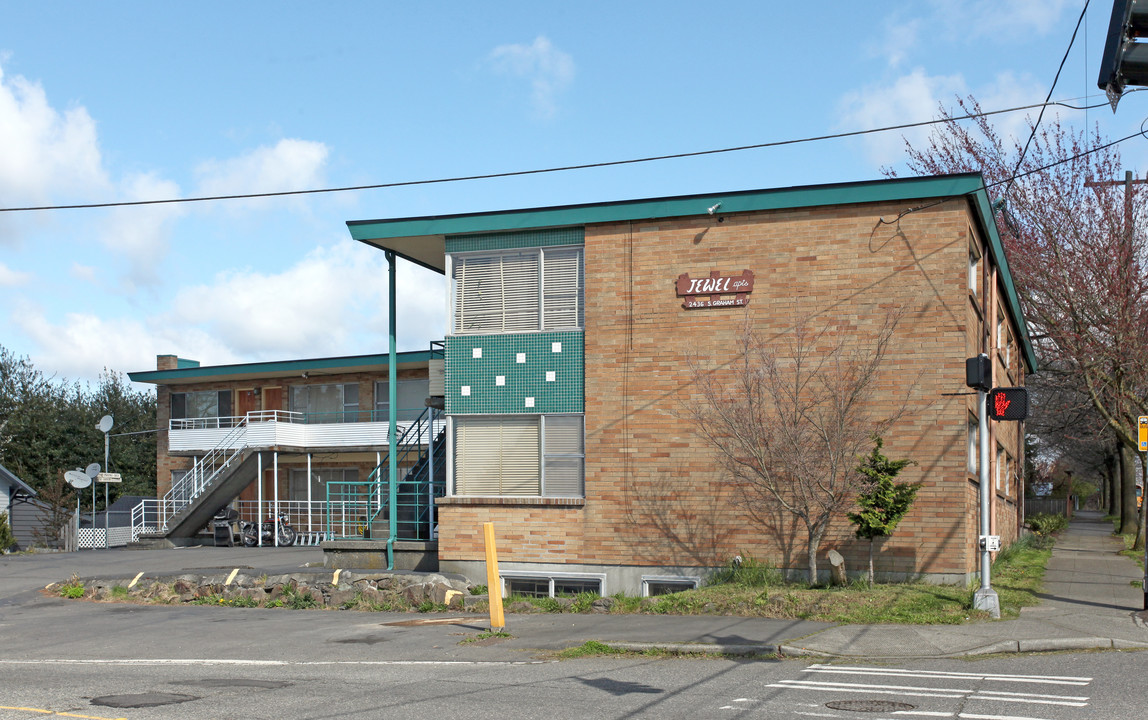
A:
[1088,602]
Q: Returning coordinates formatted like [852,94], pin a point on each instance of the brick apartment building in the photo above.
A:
[304,426]
[568,360]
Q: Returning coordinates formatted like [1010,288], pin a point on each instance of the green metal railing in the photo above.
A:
[360,510]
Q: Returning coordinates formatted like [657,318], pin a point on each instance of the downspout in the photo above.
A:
[991,318]
[392,417]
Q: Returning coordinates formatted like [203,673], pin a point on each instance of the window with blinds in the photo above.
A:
[518,455]
[563,455]
[518,291]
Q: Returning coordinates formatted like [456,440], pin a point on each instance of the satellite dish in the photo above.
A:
[106,423]
[92,470]
[77,479]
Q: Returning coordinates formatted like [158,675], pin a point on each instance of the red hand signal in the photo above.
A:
[1002,403]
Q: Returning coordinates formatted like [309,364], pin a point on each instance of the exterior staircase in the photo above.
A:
[214,481]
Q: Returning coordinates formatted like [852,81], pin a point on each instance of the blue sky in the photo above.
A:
[106,102]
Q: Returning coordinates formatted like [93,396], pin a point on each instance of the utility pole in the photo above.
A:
[1142,429]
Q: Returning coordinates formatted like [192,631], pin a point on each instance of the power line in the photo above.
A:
[539,171]
[1039,117]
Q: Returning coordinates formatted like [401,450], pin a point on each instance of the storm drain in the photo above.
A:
[141,700]
[869,705]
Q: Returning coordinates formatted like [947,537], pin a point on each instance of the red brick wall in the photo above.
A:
[654,495]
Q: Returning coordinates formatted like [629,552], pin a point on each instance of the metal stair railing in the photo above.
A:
[370,499]
[205,469]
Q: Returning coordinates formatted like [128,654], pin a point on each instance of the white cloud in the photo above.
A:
[83,344]
[898,40]
[1014,17]
[140,233]
[1010,90]
[910,98]
[45,151]
[291,164]
[83,273]
[548,69]
[13,278]
[333,299]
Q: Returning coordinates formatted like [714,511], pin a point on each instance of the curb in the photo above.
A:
[697,648]
[1001,647]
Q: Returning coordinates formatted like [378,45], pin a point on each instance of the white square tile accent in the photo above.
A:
[529,402]
[520,358]
[551,376]
[556,347]
[464,390]
[499,379]
[476,353]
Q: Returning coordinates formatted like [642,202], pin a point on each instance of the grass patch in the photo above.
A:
[119,592]
[73,589]
[590,648]
[488,635]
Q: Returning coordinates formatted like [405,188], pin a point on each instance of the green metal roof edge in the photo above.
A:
[984,214]
[679,206]
[156,376]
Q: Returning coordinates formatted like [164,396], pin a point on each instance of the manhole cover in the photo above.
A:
[869,705]
[141,700]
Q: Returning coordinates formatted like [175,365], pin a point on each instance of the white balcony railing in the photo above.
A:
[277,428]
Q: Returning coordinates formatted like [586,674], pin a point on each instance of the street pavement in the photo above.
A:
[1089,602]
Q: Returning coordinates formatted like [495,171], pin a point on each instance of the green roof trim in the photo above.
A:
[427,234]
[682,206]
[284,367]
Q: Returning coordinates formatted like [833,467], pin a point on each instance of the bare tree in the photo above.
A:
[1078,250]
[56,503]
[789,426]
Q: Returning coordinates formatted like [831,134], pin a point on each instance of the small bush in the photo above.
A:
[7,539]
[73,589]
[548,604]
[1045,524]
[296,600]
[747,572]
[477,589]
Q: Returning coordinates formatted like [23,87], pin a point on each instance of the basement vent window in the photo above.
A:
[537,585]
[653,586]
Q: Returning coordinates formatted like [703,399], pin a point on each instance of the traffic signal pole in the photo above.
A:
[985,598]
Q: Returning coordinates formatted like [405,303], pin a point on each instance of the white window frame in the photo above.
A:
[540,310]
[405,414]
[550,577]
[675,579]
[973,432]
[543,455]
[974,270]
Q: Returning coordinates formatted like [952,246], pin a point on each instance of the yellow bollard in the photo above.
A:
[493,586]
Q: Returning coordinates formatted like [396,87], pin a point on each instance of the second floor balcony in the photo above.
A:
[281,428]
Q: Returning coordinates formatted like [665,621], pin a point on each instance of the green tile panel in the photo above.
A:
[517,373]
[514,240]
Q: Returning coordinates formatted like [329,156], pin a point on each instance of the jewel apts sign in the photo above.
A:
[715,290]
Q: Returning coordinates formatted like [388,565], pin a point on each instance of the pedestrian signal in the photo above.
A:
[1008,403]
